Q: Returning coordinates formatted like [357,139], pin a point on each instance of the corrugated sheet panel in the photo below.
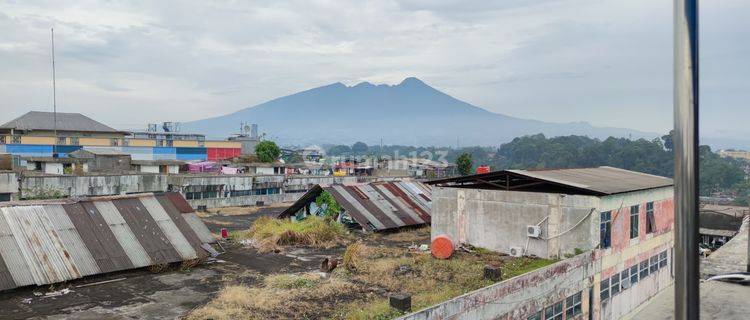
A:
[71,241]
[199,227]
[148,232]
[124,235]
[405,212]
[40,247]
[179,202]
[181,224]
[170,229]
[12,255]
[101,242]
[6,279]
[363,216]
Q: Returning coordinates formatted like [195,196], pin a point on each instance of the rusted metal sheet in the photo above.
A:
[185,228]
[403,211]
[356,208]
[147,231]
[71,241]
[12,256]
[40,246]
[133,249]
[179,202]
[101,242]
[174,234]
[199,227]
[401,195]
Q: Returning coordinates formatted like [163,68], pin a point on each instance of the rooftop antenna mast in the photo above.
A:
[54,96]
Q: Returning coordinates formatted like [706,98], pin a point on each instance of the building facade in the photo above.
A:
[622,219]
[33,135]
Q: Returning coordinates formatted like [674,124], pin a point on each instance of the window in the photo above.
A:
[2,139]
[536,316]
[554,312]
[170,143]
[573,305]
[663,259]
[62,140]
[605,230]
[16,139]
[74,141]
[114,142]
[614,284]
[650,222]
[625,279]
[604,289]
[644,269]
[159,143]
[125,142]
[634,274]
[634,222]
[654,263]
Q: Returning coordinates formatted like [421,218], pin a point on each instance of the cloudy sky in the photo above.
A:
[601,61]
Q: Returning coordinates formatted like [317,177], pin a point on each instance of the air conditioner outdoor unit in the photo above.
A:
[516,251]
[533,231]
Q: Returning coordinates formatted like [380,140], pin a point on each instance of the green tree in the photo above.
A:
[339,150]
[332,208]
[359,148]
[464,163]
[267,151]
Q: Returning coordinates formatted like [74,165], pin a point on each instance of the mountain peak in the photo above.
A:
[412,81]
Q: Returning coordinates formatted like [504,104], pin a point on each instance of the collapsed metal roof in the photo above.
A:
[45,242]
[376,205]
[598,181]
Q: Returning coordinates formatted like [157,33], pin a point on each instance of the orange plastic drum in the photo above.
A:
[442,247]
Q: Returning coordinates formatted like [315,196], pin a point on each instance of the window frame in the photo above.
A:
[654,263]
[556,309]
[15,139]
[75,141]
[643,267]
[61,141]
[573,305]
[634,216]
[634,275]
[625,279]
[604,289]
[114,142]
[650,219]
[614,286]
[536,316]
[605,229]
[663,259]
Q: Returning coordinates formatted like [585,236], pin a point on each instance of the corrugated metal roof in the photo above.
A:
[598,181]
[376,205]
[36,120]
[199,227]
[133,249]
[52,241]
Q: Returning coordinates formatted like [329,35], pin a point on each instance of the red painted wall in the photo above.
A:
[222,153]
[663,216]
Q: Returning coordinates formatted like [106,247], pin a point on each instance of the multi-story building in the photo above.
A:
[621,220]
[35,135]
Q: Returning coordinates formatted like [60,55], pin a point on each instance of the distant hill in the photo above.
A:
[410,113]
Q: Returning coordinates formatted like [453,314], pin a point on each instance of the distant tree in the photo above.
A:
[359,148]
[464,163]
[339,150]
[267,151]
[668,140]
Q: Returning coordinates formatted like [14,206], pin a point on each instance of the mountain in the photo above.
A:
[410,113]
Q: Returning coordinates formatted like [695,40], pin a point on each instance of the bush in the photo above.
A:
[270,233]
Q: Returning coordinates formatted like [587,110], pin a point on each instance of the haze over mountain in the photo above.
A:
[410,113]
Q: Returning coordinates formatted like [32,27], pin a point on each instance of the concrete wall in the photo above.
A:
[35,187]
[245,200]
[149,169]
[521,296]
[498,220]
[8,186]
[52,168]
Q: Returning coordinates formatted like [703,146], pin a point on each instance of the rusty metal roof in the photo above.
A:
[48,242]
[598,181]
[376,205]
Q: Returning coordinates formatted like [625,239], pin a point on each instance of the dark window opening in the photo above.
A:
[634,222]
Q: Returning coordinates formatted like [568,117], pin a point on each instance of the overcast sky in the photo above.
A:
[605,62]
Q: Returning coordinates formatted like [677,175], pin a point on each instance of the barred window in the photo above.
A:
[625,279]
[16,139]
[604,289]
[654,263]
[573,305]
[2,139]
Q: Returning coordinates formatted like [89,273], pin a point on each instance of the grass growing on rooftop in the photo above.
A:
[270,233]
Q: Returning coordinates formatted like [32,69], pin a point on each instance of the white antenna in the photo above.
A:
[54,95]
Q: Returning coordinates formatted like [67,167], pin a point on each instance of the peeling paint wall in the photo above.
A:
[498,220]
[8,186]
[521,296]
[41,187]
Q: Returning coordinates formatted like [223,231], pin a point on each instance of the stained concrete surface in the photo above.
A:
[718,300]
